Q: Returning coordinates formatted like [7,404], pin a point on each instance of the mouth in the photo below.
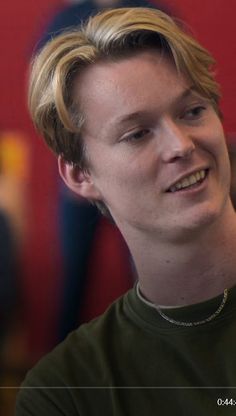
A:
[189,181]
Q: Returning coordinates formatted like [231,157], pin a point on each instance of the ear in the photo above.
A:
[77,180]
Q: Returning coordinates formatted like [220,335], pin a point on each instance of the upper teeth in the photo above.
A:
[189,180]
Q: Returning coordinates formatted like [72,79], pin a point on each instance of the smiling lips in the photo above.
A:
[189,181]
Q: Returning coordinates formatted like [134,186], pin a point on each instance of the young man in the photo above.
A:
[80,221]
[130,105]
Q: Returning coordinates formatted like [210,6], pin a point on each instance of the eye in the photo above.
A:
[194,113]
[137,135]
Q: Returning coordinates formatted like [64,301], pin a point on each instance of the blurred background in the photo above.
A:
[61,263]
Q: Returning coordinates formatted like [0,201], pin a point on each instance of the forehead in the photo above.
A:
[110,73]
[108,91]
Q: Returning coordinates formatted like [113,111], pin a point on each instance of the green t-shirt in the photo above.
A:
[131,362]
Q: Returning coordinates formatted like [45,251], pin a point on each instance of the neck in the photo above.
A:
[178,274]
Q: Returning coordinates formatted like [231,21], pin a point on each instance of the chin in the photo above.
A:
[198,223]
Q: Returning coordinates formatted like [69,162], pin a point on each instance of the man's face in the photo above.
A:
[156,149]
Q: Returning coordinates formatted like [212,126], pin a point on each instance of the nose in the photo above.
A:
[177,141]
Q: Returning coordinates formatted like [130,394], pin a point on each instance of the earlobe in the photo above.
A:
[78,180]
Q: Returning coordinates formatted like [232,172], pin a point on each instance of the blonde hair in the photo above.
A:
[112,34]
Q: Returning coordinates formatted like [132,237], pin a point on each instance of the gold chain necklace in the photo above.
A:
[180,323]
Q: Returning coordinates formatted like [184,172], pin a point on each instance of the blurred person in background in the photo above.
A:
[8,272]
[81,224]
[130,106]
[10,238]
[14,169]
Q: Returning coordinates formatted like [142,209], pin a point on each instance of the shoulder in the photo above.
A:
[83,345]
[81,360]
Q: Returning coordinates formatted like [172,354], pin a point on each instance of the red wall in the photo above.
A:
[21,25]
[213,22]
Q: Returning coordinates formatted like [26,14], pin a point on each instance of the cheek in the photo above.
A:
[121,184]
[119,171]
[219,148]
[214,138]
[223,153]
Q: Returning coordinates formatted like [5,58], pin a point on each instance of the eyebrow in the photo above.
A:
[138,114]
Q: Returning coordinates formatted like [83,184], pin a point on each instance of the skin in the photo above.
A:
[151,130]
